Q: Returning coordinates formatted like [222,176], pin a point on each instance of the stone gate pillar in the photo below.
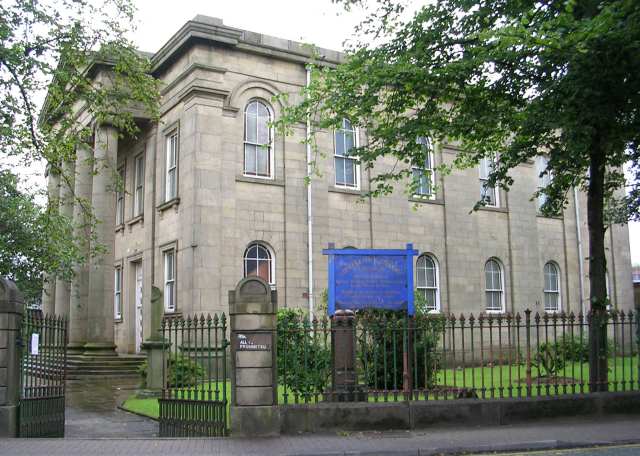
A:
[254,389]
[11,310]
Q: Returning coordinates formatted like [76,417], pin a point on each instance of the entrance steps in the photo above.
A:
[81,367]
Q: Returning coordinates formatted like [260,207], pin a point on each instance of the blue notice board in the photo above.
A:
[371,278]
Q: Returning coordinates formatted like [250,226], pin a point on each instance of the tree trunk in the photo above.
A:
[598,372]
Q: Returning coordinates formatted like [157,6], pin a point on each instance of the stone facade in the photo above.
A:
[209,73]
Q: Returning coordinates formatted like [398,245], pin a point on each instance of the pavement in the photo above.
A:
[549,435]
[92,410]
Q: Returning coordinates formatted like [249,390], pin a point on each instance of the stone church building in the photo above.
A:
[213,194]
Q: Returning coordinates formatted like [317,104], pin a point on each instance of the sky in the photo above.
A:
[311,21]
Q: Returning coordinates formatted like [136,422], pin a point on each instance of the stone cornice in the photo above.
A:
[209,29]
[190,70]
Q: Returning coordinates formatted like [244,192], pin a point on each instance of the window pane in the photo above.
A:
[263,253]
[171,184]
[169,266]
[349,172]
[430,297]
[339,139]
[169,296]
[251,128]
[487,194]
[340,177]
[250,165]
[263,160]
[485,168]
[263,270]
[171,153]
[348,142]
[263,130]
[488,277]
[139,171]
[251,267]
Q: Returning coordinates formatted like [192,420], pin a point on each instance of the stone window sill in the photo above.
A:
[136,219]
[260,180]
[120,227]
[175,314]
[417,199]
[118,320]
[168,204]
[346,191]
[504,210]
[556,217]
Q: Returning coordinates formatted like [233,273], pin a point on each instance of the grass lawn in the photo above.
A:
[623,375]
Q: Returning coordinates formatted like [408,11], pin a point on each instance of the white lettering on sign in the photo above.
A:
[35,342]
[257,342]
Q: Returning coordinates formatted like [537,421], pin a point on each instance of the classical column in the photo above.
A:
[49,288]
[99,326]
[63,287]
[82,231]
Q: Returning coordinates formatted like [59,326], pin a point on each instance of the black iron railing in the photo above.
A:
[42,375]
[194,399]
[378,356]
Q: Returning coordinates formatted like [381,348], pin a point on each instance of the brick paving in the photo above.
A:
[557,433]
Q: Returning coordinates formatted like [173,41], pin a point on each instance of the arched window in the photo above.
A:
[551,287]
[258,261]
[427,282]
[258,147]
[494,286]
[346,166]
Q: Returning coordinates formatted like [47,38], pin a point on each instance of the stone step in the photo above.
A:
[82,366]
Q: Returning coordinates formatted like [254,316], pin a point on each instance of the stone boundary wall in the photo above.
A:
[363,416]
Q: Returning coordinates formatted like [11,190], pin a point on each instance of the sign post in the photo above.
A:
[366,279]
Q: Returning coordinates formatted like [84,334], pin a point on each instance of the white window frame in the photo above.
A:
[353,158]
[122,186]
[138,185]
[171,170]
[436,279]
[169,280]
[550,291]
[483,181]
[270,144]
[271,261]
[117,293]
[500,290]
[420,170]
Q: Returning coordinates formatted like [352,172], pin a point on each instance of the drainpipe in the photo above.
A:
[580,265]
[309,207]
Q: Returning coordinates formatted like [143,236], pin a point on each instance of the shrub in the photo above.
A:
[304,355]
[383,342]
[182,371]
[549,359]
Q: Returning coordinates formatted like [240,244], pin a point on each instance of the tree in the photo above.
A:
[517,78]
[59,60]
[32,239]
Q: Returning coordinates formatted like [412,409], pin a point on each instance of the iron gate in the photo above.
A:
[194,400]
[42,375]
